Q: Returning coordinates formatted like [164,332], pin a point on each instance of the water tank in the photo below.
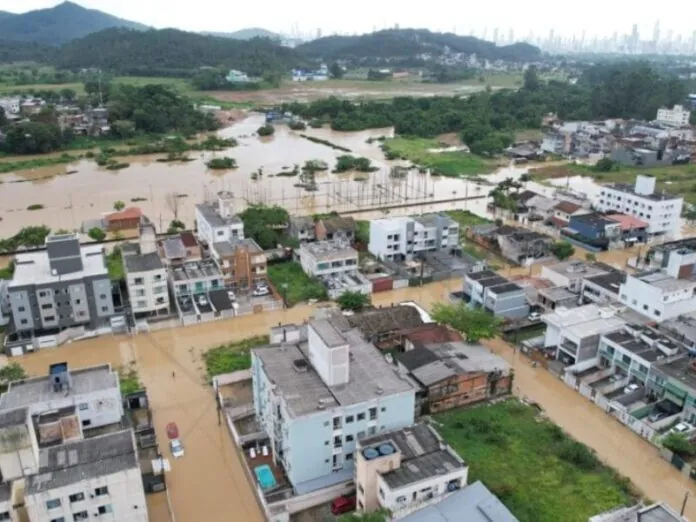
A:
[385,449]
[370,454]
[452,486]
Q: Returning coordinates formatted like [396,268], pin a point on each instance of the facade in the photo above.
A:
[602,289]
[658,295]
[564,210]
[454,374]
[661,211]
[403,238]
[555,297]
[556,143]
[216,222]
[146,275]
[632,229]
[406,470]
[570,274]
[67,285]
[302,228]
[241,263]
[316,399]
[336,228]
[126,219]
[328,258]
[195,278]
[677,116]
[595,227]
[496,294]
[674,379]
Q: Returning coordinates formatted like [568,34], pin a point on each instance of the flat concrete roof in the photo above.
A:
[665,282]
[576,268]
[328,250]
[34,268]
[213,217]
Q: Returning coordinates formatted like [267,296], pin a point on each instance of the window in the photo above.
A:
[105,308]
[361,434]
[59,519]
[645,307]
[82,515]
[5,516]
[381,493]
[326,424]
[326,443]
[361,489]
[337,423]
[349,419]
[383,409]
[53,503]
[102,296]
[78,301]
[21,309]
[103,510]
[349,456]
[83,406]
[47,306]
[138,281]
[43,293]
[86,423]
[23,321]
[373,413]
[658,313]
[338,442]
[50,318]
[372,430]
[349,438]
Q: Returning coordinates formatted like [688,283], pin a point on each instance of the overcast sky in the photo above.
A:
[599,17]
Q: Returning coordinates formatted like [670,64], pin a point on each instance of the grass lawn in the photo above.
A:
[452,164]
[466,219]
[231,357]
[129,381]
[114,263]
[300,287]
[537,471]
[6,88]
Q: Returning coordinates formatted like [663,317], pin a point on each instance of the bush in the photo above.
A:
[232,357]
[562,250]
[35,206]
[222,163]
[353,301]
[266,130]
[299,286]
[97,234]
[297,125]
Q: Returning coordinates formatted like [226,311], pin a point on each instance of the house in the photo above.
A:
[602,289]
[556,296]
[674,379]
[195,278]
[661,211]
[334,263]
[403,238]
[126,219]
[405,470]
[180,249]
[595,227]
[217,221]
[522,246]
[302,228]
[429,333]
[496,294]
[556,143]
[385,327]
[677,116]
[242,263]
[454,374]
[338,228]
[633,230]
[11,105]
[659,512]
[570,274]
[640,156]
[540,207]
[315,399]
[563,211]
[235,76]
[146,276]
[576,332]
[66,285]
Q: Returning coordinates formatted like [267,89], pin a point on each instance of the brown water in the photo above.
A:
[69,199]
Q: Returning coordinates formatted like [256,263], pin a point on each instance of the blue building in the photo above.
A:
[594,226]
[316,398]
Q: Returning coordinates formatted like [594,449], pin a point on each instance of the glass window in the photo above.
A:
[82,515]
[53,503]
[105,509]
[104,490]
[349,419]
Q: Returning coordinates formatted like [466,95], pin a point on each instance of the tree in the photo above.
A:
[173,203]
[604,165]
[353,301]
[3,118]
[123,129]
[176,226]
[562,250]
[97,234]
[679,444]
[31,137]
[68,94]
[266,130]
[119,205]
[381,515]
[336,71]
[531,79]
[474,323]
[10,373]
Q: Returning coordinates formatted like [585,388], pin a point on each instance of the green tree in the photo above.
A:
[3,118]
[590,257]
[474,323]
[531,79]
[336,71]
[123,129]
[353,301]
[266,130]
[604,165]
[209,80]
[273,78]
[31,137]
[119,205]
[562,250]
[97,234]
[11,372]
[68,94]
[381,515]
[679,444]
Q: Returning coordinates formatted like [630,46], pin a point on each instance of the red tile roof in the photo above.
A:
[627,222]
[125,214]
[567,207]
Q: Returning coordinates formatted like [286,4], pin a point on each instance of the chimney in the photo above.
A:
[148,238]
[645,185]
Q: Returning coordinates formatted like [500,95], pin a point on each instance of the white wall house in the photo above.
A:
[658,295]
[677,116]
[146,276]
[328,258]
[217,221]
[660,210]
[402,238]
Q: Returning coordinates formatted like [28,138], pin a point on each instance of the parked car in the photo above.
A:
[657,415]
[172,430]
[177,448]
[342,505]
[260,291]
[231,295]
[534,316]
[203,300]
[631,388]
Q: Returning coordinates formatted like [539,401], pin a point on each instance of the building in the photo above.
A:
[387,326]
[429,333]
[570,274]
[11,106]
[674,379]
[146,275]
[496,294]
[403,238]
[564,210]
[633,230]
[576,332]
[474,503]
[64,286]
[177,250]
[522,246]
[235,76]
[216,222]
[242,263]
[661,211]
[328,258]
[602,289]
[677,116]
[302,228]
[555,297]
[317,398]
[556,143]
[454,374]
[126,219]
[195,278]
[336,228]
[595,228]
[405,470]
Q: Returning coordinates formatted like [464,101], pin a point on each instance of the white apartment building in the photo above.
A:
[328,258]
[677,116]
[658,295]
[660,210]
[217,221]
[406,470]
[146,275]
[402,238]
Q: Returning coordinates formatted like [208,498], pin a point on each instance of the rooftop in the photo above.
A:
[188,239]
[504,287]
[143,262]
[336,223]
[174,248]
[430,333]
[423,467]
[196,270]
[627,222]
[665,282]
[637,346]
[594,219]
[34,268]
[125,214]
[379,321]
[434,220]
[228,248]
[577,268]
[474,503]
[83,460]
[40,389]
[567,317]
[611,281]
[557,293]
[328,250]
[681,370]
[213,217]
[630,189]
[567,207]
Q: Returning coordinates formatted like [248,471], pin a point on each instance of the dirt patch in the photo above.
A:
[451,139]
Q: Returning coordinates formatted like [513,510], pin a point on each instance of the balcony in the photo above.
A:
[622,364]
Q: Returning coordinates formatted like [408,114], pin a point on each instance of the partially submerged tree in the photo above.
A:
[11,372]
[562,250]
[473,323]
[353,301]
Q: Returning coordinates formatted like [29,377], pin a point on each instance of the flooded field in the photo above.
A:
[89,191]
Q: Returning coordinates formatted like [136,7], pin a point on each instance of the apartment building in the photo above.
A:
[328,258]
[317,398]
[660,210]
[217,221]
[677,116]
[146,275]
[496,294]
[658,295]
[241,263]
[195,278]
[674,379]
[403,238]
[405,470]
[66,285]
[602,289]
[570,274]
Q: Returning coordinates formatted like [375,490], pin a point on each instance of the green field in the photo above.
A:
[451,164]
[231,357]
[300,287]
[537,471]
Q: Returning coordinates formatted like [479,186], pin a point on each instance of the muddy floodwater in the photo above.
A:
[80,191]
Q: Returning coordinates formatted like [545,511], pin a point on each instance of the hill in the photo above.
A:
[58,24]
[411,44]
[170,51]
[5,14]
[25,52]
[248,34]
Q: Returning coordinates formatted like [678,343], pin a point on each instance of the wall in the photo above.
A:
[510,305]
[663,217]
[153,286]
[651,301]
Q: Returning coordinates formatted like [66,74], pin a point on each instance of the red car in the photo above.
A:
[172,430]
[342,505]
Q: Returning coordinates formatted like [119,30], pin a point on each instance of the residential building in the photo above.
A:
[556,143]
[195,278]
[146,275]
[633,230]
[126,219]
[64,286]
[302,228]
[576,332]
[595,228]
[454,374]
[336,228]
[522,246]
[5,308]
[328,258]
[242,263]
[496,294]
[217,221]
[474,503]
[405,470]
[564,210]
[602,289]
[317,398]
[674,379]
[403,238]
[387,326]
[555,297]
[661,211]
[429,333]
[570,274]
[180,249]
[677,116]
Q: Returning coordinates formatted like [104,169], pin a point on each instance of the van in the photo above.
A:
[342,505]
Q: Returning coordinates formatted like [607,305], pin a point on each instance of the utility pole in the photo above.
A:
[683,508]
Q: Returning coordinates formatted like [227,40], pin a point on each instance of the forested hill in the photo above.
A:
[155,52]
[399,44]
[58,24]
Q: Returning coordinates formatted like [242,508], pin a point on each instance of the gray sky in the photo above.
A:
[599,17]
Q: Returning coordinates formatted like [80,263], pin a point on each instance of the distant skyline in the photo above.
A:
[594,17]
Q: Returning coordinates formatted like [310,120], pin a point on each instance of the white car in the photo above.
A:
[231,295]
[631,388]
[682,427]
[176,448]
[203,300]
[260,291]
[534,316]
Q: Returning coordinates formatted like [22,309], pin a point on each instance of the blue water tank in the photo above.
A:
[452,486]
[370,453]
[386,449]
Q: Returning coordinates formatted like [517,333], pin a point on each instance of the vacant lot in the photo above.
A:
[539,472]
[231,357]
[291,281]
[419,151]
